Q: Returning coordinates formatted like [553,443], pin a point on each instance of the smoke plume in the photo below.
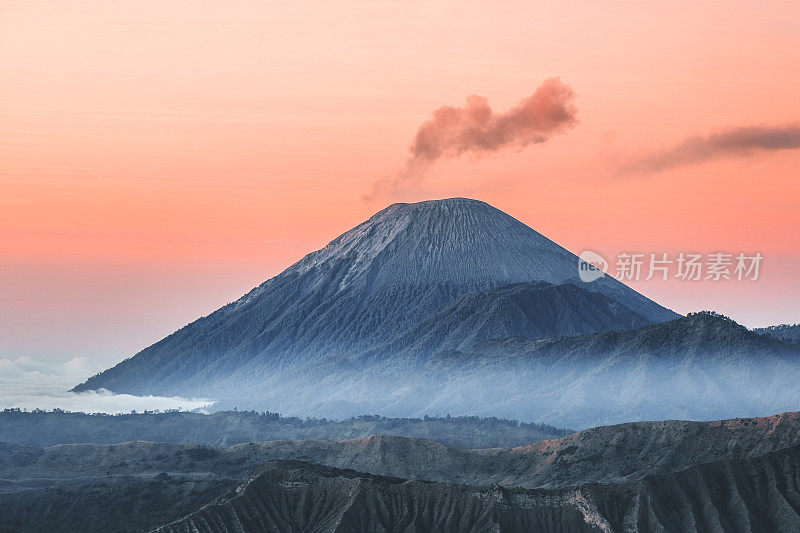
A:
[475,128]
[736,142]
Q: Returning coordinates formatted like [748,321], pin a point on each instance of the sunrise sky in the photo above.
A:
[160,158]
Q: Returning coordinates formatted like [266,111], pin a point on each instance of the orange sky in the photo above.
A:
[158,159]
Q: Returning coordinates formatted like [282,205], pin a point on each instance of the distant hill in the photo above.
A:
[783,332]
[226,428]
[705,334]
[606,454]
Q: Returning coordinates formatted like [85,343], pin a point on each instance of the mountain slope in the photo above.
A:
[364,289]
[113,505]
[531,310]
[758,494]
[294,496]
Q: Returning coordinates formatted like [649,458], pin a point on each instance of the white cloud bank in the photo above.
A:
[30,384]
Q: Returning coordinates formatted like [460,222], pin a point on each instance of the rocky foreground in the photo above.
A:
[749,495]
[733,475]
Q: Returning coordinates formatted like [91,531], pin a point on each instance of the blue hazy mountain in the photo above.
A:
[784,332]
[370,307]
[699,366]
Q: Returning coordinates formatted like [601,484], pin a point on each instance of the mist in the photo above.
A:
[29,384]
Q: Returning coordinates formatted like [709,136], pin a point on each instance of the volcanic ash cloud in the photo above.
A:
[476,128]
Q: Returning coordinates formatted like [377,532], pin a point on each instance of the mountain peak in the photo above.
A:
[421,214]
[458,243]
[457,201]
[455,240]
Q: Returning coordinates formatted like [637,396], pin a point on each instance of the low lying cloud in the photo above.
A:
[100,401]
[31,384]
[476,128]
[736,142]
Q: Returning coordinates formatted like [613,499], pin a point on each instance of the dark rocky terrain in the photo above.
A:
[663,476]
[606,454]
[124,504]
[761,494]
[294,496]
[758,495]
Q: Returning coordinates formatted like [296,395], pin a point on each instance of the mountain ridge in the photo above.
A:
[720,368]
[605,454]
[714,496]
[783,332]
[644,476]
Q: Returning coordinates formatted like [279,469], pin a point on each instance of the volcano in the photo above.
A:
[372,307]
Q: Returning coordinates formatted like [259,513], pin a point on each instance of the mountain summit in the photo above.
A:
[357,306]
[455,242]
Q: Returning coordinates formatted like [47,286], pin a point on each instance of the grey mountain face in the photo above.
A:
[373,305]
[534,310]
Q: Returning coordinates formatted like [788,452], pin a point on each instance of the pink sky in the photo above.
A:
[158,159]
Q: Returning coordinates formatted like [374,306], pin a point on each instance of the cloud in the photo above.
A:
[100,401]
[735,142]
[31,384]
[27,375]
[475,128]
